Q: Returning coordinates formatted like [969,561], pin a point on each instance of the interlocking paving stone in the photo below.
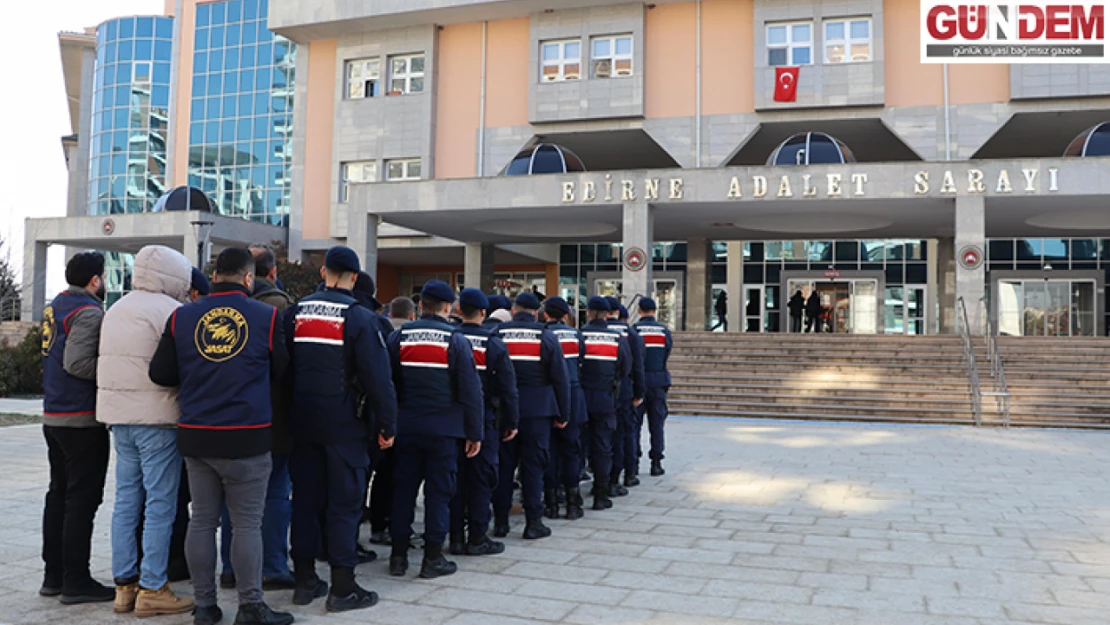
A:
[755,523]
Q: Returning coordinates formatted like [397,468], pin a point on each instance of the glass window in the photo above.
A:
[402,169]
[363,78]
[246,56]
[848,40]
[216,37]
[144,27]
[612,56]
[127,28]
[560,60]
[125,50]
[406,74]
[231,35]
[820,251]
[358,171]
[163,28]
[144,50]
[219,12]
[790,44]
[234,11]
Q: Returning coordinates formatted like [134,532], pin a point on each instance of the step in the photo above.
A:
[702,376]
[715,390]
[895,400]
[814,416]
[829,408]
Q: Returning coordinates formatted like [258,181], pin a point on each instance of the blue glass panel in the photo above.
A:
[214,85]
[231,82]
[201,41]
[123,73]
[144,27]
[246,80]
[105,143]
[200,64]
[163,28]
[265,54]
[212,132]
[127,28]
[100,50]
[161,73]
[199,86]
[231,35]
[110,53]
[122,96]
[126,50]
[250,9]
[119,164]
[216,37]
[229,107]
[213,109]
[163,50]
[113,30]
[279,104]
[160,96]
[109,75]
[261,129]
[215,60]
[258,150]
[204,14]
[250,32]
[258,176]
[261,104]
[263,80]
[246,101]
[227,131]
[234,11]
[219,12]
[264,33]
[231,60]
[263,9]
[196,111]
[280,79]
[243,132]
[246,56]
[105,120]
[144,49]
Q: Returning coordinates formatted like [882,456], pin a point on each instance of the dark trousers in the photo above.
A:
[656,402]
[477,479]
[78,465]
[181,521]
[566,458]
[433,461]
[813,324]
[722,321]
[530,450]
[795,323]
[329,483]
[624,439]
[381,490]
[601,429]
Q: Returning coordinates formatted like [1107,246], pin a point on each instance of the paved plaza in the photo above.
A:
[756,522]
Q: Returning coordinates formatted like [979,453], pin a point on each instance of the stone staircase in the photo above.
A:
[890,378]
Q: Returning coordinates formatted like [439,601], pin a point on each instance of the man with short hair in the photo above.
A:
[401,311]
[607,361]
[439,406]
[265,279]
[337,356]
[223,352]
[657,380]
[77,445]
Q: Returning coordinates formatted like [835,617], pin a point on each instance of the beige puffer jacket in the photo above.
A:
[130,335]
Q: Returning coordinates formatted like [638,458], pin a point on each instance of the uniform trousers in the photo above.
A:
[601,429]
[329,486]
[433,461]
[624,438]
[381,490]
[656,403]
[477,479]
[565,465]
[530,450]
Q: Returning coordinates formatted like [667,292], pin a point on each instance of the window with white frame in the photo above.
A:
[848,40]
[406,74]
[560,60]
[364,78]
[612,56]
[790,43]
[402,169]
[356,171]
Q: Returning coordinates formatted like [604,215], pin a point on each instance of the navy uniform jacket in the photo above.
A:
[634,390]
[657,350]
[439,392]
[574,349]
[337,354]
[607,361]
[495,369]
[541,375]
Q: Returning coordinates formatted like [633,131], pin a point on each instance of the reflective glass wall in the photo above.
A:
[241,130]
[131,98]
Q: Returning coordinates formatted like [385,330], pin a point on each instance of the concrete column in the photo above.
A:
[735,286]
[699,283]
[478,267]
[971,232]
[945,300]
[34,276]
[638,234]
[362,237]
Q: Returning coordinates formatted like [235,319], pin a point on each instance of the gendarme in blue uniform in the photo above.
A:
[632,387]
[657,380]
[608,359]
[565,467]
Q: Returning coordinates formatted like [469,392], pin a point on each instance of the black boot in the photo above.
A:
[261,614]
[534,529]
[601,497]
[207,615]
[574,504]
[434,564]
[89,591]
[399,559]
[365,555]
[551,503]
[501,526]
[347,595]
[657,468]
[483,546]
[615,488]
[309,585]
[457,545]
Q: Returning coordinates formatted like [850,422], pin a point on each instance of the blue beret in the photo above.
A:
[597,302]
[498,301]
[623,314]
[557,303]
[199,282]
[614,303]
[528,301]
[342,258]
[646,303]
[437,290]
[365,283]
[475,298]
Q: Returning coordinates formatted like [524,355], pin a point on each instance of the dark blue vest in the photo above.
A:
[64,394]
[573,349]
[600,366]
[223,346]
[531,361]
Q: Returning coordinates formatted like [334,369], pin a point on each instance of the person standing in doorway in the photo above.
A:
[813,312]
[721,308]
[797,306]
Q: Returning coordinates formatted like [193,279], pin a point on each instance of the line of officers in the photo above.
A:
[464,409]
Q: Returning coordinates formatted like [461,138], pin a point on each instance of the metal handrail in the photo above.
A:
[633,311]
[969,360]
[1001,391]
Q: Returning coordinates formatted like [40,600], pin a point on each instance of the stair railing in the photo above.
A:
[1001,392]
[633,309]
[969,361]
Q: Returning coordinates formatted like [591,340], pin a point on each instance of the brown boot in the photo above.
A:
[162,601]
[125,598]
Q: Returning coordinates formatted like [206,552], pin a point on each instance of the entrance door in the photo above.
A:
[864,302]
[667,289]
[836,307]
[715,323]
[754,303]
[1046,307]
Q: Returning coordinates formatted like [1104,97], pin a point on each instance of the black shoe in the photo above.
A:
[457,547]
[380,537]
[616,490]
[501,527]
[535,529]
[89,592]
[631,480]
[436,566]
[177,570]
[484,546]
[357,600]
[551,503]
[50,588]
[261,614]
[365,555]
[306,592]
[281,582]
[227,581]
[601,498]
[208,615]
[574,505]
[657,468]
[398,565]
[585,476]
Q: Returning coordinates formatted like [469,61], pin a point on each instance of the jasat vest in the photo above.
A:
[64,394]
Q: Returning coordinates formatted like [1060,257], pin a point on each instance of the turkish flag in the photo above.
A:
[786,84]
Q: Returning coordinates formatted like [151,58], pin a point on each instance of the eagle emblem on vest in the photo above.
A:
[221,334]
[49,330]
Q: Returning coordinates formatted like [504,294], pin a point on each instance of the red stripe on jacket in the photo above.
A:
[424,354]
[523,349]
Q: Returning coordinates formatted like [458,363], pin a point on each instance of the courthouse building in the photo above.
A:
[603,146]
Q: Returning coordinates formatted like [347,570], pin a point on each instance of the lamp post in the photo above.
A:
[203,230]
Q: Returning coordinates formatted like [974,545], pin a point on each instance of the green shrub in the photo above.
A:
[9,372]
[28,357]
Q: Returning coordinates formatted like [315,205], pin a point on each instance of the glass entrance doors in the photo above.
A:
[905,309]
[754,304]
[847,306]
[1046,307]
[666,291]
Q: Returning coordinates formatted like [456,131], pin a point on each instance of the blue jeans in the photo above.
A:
[275,524]
[148,475]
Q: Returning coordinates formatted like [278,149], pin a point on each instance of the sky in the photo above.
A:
[33,111]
